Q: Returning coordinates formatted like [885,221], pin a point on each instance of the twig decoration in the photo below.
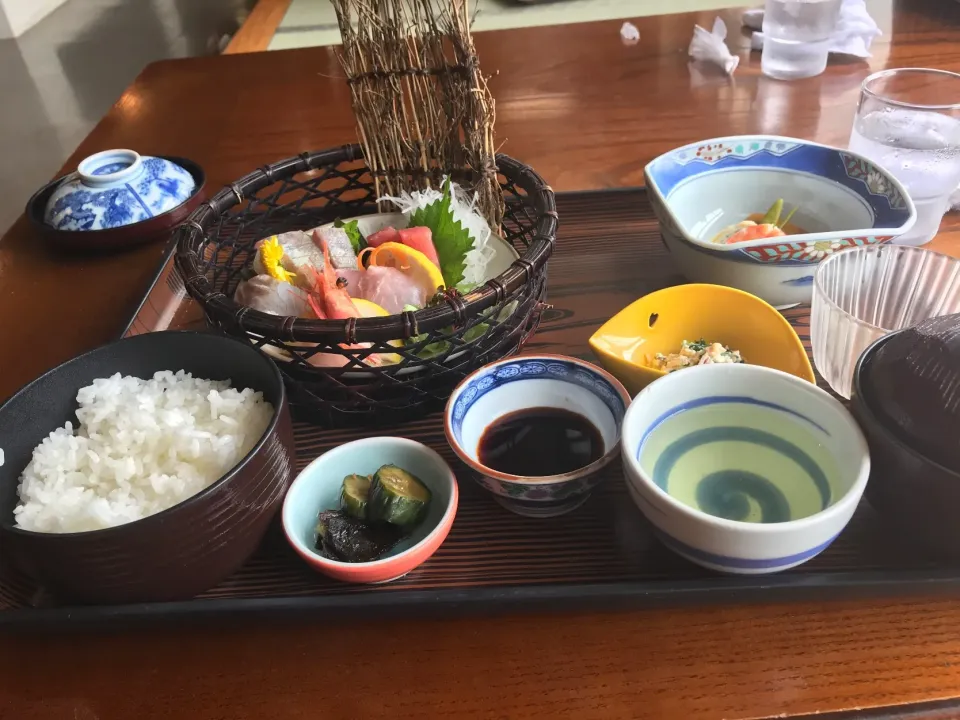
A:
[423,107]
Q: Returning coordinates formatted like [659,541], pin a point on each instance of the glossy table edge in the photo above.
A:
[485,601]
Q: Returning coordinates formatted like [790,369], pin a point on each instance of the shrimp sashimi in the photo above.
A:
[330,300]
[330,292]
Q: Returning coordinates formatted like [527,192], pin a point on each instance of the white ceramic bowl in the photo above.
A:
[843,199]
[536,381]
[773,399]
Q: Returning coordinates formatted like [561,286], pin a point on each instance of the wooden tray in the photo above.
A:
[602,555]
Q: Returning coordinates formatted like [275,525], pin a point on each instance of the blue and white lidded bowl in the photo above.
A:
[114,188]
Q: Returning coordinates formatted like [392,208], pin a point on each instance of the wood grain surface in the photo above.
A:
[586,112]
[258,29]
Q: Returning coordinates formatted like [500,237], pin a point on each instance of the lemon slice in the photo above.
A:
[371,309]
[368,309]
[410,261]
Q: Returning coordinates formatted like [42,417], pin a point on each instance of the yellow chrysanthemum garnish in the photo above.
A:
[271,255]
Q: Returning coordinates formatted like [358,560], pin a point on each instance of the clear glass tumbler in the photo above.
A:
[908,121]
[861,294]
[796,37]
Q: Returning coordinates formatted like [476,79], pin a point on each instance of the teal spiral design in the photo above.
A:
[727,493]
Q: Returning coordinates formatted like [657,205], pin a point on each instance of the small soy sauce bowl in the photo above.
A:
[514,385]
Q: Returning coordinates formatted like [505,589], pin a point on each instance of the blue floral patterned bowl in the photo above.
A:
[842,200]
[536,381]
[158,228]
[116,188]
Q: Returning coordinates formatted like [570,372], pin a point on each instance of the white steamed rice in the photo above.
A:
[142,447]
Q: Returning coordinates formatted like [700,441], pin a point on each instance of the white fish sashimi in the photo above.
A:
[299,254]
[339,247]
[270,295]
[388,287]
[353,276]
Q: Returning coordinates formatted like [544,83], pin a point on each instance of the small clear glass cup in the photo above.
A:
[861,294]
[908,121]
[796,37]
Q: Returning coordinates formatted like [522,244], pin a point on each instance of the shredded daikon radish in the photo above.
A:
[463,208]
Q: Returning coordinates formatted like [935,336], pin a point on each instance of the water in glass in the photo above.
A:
[796,37]
[920,148]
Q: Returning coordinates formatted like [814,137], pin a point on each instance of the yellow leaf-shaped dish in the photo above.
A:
[660,321]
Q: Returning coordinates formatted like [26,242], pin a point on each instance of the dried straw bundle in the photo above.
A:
[423,108]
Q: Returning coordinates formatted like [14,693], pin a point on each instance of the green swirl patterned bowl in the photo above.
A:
[741,468]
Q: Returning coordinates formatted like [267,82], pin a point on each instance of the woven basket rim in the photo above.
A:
[224,309]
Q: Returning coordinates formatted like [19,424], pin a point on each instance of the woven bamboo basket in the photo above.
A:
[424,113]
[217,243]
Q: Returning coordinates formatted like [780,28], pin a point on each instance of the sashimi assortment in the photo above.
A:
[334,272]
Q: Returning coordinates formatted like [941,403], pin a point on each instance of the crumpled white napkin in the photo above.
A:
[629,34]
[854,34]
[954,202]
[710,47]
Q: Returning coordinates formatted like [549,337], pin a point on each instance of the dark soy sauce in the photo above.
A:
[537,442]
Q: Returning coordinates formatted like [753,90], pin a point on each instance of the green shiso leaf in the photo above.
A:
[451,240]
[352,229]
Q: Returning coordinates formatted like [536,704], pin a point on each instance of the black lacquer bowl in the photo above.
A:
[917,495]
[179,552]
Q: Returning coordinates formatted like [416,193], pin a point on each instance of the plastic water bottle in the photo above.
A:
[796,37]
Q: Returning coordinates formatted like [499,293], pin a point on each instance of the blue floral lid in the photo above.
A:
[115,188]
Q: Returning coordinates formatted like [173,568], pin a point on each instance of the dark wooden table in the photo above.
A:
[587,112]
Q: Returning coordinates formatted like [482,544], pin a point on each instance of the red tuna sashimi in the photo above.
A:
[420,238]
[388,234]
